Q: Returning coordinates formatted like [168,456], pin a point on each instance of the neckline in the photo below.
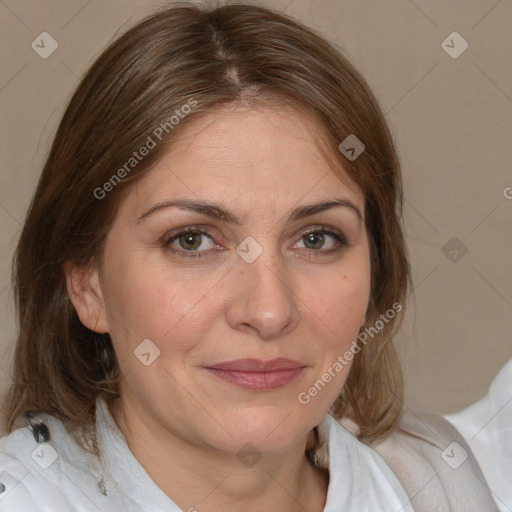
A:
[358,477]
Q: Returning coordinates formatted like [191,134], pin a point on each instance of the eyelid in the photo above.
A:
[215,233]
[322,228]
[194,228]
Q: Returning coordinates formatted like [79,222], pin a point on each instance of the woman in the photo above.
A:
[208,282]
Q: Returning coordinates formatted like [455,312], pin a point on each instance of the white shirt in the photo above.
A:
[487,427]
[60,476]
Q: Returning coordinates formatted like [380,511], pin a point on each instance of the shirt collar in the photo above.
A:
[359,479]
[123,469]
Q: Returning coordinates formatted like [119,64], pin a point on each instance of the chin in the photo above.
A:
[271,430]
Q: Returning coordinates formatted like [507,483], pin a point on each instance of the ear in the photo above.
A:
[85,292]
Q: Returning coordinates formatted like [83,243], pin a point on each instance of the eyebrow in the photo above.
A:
[222,214]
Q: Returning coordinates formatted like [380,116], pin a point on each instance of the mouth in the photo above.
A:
[256,374]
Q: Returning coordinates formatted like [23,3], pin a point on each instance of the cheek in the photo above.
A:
[338,312]
[353,293]
[147,301]
[340,303]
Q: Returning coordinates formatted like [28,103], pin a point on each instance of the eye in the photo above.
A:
[190,242]
[323,240]
[195,242]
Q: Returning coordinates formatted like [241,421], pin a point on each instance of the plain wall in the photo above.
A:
[451,118]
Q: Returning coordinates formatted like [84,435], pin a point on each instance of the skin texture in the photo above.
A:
[182,423]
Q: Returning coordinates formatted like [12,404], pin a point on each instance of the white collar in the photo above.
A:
[359,478]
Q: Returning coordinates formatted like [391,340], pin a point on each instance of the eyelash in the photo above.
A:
[338,236]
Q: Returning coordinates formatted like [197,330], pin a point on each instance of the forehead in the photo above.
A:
[266,155]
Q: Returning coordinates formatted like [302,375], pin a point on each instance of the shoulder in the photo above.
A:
[487,425]
[37,476]
[435,464]
[24,484]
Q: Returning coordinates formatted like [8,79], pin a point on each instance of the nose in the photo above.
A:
[263,300]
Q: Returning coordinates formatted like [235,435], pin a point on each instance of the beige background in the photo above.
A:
[452,119]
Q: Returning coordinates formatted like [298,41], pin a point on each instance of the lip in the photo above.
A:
[257,365]
[257,374]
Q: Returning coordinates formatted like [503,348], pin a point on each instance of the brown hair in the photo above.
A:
[212,56]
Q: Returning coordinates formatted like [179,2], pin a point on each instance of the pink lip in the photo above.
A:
[257,374]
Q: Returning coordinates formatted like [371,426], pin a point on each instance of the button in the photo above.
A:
[39,429]
[8,484]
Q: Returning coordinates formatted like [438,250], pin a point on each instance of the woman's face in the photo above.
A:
[250,281]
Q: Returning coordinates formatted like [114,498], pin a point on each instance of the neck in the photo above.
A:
[202,479]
